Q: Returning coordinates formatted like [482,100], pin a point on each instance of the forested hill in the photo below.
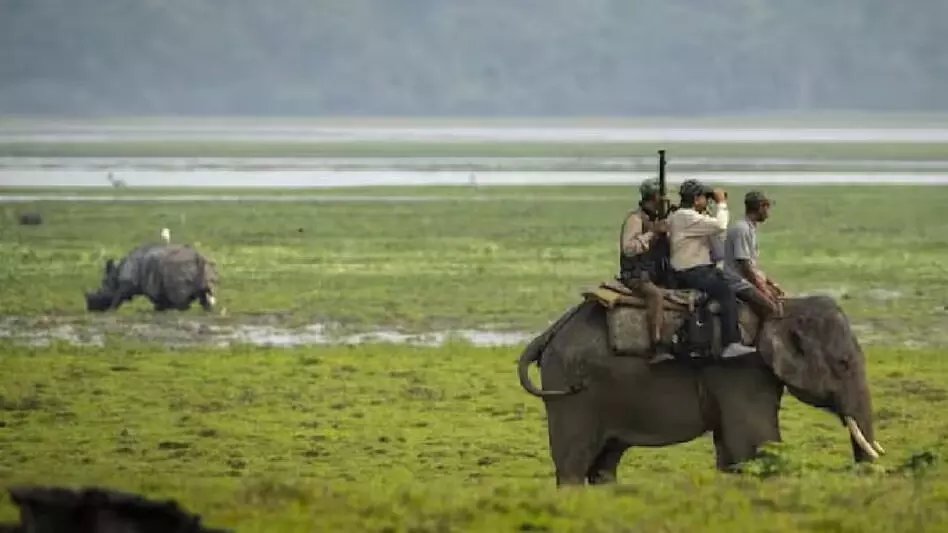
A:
[471,57]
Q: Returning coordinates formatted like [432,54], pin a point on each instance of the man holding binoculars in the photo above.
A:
[691,232]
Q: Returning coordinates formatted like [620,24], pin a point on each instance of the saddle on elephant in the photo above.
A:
[691,324]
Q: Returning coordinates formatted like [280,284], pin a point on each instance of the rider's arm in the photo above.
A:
[752,274]
[634,240]
[696,224]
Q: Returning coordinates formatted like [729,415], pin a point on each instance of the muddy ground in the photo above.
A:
[184,330]
[195,330]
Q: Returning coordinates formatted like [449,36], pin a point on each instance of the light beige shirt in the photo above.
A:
[691,234]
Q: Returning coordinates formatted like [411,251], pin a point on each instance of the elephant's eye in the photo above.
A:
[797,345]
[842,364]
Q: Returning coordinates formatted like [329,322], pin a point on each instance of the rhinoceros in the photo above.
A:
[30,219]
[172,276]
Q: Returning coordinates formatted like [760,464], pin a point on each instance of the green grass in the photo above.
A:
[393,438]
[513,262]
[385,438]
[810,150]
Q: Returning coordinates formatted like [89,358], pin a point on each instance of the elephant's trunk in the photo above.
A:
[858,421]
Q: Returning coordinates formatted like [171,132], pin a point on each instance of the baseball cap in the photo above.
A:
[758,198]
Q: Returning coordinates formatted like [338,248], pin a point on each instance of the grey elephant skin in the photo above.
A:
[172,276]
[98,510]
[599,404]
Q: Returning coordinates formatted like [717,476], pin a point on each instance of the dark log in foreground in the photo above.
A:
[98,510]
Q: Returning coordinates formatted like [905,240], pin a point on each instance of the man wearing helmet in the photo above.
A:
[642,257]
[691,232]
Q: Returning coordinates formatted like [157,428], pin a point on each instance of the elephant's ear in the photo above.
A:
[780,352]
[797,357]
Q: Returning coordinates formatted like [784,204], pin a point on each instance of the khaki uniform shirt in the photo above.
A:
[634,239]
[691,234]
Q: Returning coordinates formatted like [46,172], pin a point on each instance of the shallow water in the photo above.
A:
[175,198]
[359,178]
[120,165]
[182,332]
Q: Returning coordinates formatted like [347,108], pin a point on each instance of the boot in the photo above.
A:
[660,351]
[736,349]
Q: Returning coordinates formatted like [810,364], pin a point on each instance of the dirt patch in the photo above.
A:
[846,293]
[883,295]
[274,330]
[837,293]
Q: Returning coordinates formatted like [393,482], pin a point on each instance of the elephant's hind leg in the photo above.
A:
[573,463]
[574,448]
[604,468]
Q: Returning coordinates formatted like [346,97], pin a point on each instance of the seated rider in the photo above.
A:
[690,233]
[641,259]
[741,254]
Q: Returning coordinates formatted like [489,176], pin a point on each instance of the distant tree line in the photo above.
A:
[471,57]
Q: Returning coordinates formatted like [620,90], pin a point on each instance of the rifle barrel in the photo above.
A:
[662,209]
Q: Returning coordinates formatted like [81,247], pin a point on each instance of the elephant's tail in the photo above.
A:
[532,353]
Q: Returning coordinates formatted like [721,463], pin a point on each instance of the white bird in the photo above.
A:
[166,235]
[115,182]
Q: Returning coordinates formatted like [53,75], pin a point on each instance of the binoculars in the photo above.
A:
[710,195]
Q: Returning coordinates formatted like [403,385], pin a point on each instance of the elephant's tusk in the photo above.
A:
[878,447]
[860,438]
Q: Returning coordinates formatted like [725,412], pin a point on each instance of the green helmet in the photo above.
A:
[649,188]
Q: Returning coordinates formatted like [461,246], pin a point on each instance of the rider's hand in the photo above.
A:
[720,196]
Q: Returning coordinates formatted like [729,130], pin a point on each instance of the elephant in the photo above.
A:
[599,404]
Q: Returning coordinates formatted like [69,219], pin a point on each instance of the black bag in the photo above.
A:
[696,333]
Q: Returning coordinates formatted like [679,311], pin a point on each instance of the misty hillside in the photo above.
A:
[471,57]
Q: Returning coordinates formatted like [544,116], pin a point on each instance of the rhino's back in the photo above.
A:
[132,269]
[179,272]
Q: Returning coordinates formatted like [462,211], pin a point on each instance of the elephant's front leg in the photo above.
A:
[747,397]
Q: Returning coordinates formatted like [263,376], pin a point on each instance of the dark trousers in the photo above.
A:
[710,280]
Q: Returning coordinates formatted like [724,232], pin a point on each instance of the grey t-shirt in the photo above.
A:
[740,244]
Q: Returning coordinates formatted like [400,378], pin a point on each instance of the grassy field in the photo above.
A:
[396,438]
[382,438]
[504,257]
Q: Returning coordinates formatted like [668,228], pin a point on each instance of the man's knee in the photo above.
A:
[652,290]
[718,288]
[760,304]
